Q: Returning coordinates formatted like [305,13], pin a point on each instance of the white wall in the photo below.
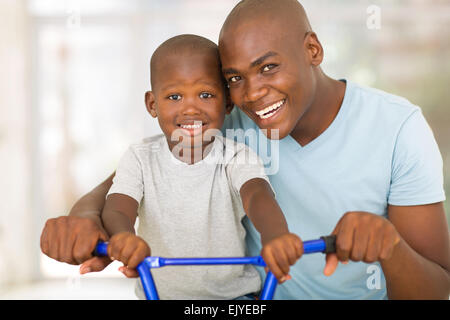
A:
[17,232]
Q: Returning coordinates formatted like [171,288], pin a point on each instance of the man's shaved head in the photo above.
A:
[178,46]
[288,12]
[271,57]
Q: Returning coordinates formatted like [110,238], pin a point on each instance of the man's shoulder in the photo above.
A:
[382,102]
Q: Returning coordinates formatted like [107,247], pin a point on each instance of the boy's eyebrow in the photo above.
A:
[256,62]
[172,86]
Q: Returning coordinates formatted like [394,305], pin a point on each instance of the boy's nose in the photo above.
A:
[190,109]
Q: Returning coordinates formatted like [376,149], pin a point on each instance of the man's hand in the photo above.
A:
[362,236]
[129,249]
[72,240]
[282,252]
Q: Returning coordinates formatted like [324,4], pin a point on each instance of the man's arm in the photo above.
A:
[420,264]
[412,247]
[91,205]
[72,238]
[281,249]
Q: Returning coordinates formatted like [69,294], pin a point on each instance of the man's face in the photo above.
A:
[188,98]
[268,73]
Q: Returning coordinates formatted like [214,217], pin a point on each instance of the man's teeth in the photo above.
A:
[270,110]
[191,126]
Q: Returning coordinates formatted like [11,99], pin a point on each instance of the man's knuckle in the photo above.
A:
[80,255]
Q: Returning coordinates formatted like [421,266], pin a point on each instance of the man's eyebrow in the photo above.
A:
[261,59]
[229,71]
[257,62]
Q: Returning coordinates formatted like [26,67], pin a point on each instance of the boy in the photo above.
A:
[189,184]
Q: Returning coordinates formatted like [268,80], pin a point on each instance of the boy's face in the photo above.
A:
[269,73]
[188,97]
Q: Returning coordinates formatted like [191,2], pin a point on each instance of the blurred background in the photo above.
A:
[72,82]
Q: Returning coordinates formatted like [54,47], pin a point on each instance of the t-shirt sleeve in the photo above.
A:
[244,166]
[417,169]
[129,178]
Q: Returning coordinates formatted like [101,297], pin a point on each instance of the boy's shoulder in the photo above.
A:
[237,151]
[149,144]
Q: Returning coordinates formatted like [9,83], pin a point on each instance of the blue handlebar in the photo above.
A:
[324,244]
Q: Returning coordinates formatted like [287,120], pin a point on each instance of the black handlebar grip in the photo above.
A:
[330,243]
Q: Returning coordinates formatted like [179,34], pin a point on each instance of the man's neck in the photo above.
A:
[321,113]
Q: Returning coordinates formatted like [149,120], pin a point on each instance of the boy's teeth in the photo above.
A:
[263,114]
[189,126]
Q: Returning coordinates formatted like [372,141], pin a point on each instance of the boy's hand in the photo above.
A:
[282,252]
[129,249]
[362,236]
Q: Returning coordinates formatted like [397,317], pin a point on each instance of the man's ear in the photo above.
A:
[314,49]
[229,105]
[150,103]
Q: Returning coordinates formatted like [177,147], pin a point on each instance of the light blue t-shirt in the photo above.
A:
[379,150]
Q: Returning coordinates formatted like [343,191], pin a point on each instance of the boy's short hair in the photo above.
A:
[181,44]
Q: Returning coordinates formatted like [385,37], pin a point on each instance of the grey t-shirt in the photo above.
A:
[192,211]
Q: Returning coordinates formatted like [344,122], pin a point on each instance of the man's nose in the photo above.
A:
[254,91]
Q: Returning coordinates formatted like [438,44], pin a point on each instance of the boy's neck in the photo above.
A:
[322,112]
[191,154]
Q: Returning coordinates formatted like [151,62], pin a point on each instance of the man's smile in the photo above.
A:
[270,110]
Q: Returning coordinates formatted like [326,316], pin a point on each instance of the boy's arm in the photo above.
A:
[119,217]
[119,214]
[262,209]
[72,238]
[281,249]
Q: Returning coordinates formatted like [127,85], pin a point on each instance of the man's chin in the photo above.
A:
[274,134]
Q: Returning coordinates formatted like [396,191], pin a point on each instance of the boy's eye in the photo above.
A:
[234,79]
[174,97]
[205,95]
[268,67]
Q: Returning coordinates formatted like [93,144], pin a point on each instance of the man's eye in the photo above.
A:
[234,79]
[174,97]
[205,95]
[268,67]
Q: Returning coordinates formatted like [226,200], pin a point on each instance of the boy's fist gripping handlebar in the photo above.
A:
[130,249]
[280,253]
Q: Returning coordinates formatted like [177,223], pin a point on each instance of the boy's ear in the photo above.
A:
[150,103]
[229,105]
